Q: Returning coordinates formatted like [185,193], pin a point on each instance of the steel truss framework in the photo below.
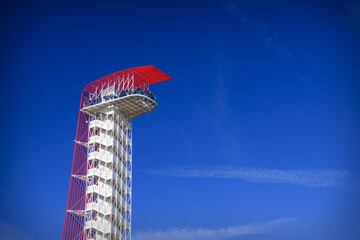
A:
[99,196]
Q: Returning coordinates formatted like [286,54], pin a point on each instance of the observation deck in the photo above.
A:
[130,103]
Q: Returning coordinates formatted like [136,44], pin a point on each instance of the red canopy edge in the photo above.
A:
[144,74]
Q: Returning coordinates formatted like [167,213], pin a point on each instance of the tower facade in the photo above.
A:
[99,197]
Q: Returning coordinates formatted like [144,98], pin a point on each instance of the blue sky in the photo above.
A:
[256,137]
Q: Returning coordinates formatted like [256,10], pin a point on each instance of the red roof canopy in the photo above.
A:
[143,75]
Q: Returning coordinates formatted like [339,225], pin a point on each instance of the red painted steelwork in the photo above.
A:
[148,75]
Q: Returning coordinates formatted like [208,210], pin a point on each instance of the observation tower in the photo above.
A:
[99,198]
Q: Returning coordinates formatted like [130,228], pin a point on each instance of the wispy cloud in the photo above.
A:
[309,178]
[261,29]
[216,233]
